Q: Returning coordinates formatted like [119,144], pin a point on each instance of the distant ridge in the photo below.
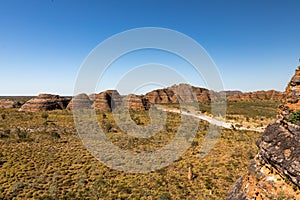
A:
[109,99]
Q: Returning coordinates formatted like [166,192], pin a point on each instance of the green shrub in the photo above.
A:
[45,115]
[21,134]
[295,117]
[195,143]
[55,134]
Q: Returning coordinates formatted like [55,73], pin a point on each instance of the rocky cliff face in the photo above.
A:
[44,102]
[275,172]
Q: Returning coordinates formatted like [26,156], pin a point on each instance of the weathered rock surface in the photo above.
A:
[80,101]
[290,101]
[262,182]
[279,146]
[161,96]
[258,95]
[92,97]
[109,99]
[187,93]
[278,158]
[5,103]
[179,93]
[44,102]
[133,102]
[106,101]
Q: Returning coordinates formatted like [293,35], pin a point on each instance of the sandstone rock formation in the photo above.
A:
[106,101]
[161,96]
[80,101]
[290,102]
[179,93]
[109,99]
[5,103]
[275,172]
[188,93]
[44,102]
[249,96]
[133,102]
[92,97]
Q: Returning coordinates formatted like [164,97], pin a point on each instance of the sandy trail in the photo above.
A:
[210,120]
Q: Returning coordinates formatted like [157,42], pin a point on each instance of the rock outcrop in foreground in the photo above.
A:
[275,172]
[44,102]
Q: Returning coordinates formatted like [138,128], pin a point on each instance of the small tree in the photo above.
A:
[3,116]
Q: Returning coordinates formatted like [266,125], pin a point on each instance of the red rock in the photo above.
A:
[290,102]
[278,149]
[44,102]
[5,103]
[80,101]
[106,100]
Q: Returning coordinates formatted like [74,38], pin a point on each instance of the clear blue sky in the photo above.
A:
[255,44]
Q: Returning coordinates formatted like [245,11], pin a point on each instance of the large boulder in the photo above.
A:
[44,102]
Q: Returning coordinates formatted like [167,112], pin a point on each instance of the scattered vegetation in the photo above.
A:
[50,162]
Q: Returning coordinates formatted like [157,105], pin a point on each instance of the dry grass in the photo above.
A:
[37,164]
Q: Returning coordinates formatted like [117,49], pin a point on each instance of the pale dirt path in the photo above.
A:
[210,120]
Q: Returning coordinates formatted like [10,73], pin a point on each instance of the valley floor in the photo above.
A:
[42,157]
